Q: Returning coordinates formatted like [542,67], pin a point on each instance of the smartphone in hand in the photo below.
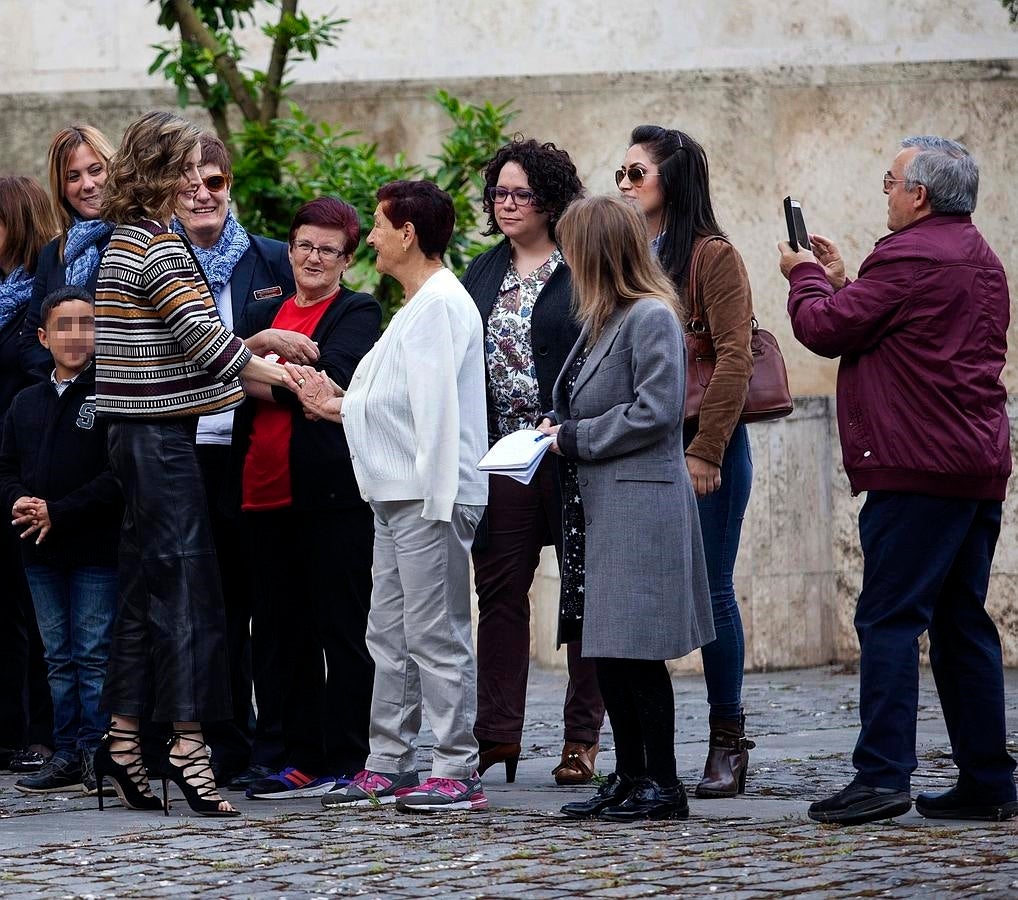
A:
[798,237]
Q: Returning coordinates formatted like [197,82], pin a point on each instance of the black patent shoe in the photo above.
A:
[958,803]
[613,790]
[648,800]
[860,803]
[26,761]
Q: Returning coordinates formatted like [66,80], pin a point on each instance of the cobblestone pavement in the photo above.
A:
[761,845]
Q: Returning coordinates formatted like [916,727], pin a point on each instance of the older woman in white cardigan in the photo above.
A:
[416,425]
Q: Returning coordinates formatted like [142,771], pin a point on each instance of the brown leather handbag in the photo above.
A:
[768,396]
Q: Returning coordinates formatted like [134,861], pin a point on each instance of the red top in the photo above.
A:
[266,483]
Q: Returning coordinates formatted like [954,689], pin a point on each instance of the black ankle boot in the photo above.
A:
[724,773]
[648,800]
[613,790]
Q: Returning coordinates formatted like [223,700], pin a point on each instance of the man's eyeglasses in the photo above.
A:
[215,183]
[325,254]
[635,174]
[890,181]
[520,197]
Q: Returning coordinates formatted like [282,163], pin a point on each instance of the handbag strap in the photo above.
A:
[697,322]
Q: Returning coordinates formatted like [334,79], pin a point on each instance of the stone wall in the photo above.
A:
[824,134]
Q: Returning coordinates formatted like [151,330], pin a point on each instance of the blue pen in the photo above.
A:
[541,437]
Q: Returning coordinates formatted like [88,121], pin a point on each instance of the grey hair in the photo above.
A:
[948,172]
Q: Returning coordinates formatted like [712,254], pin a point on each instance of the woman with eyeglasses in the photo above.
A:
[665,173]
[77,161]
[307,532]
[244,271]
[522,289]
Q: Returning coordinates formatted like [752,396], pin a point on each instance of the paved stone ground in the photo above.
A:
[761,845]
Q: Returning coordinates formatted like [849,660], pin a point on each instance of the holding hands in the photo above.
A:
[33,512]
[320,396]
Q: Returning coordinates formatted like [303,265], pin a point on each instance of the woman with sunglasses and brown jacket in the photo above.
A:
[665,173]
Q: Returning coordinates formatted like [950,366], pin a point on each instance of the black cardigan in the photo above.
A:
[321,474]
[553,330]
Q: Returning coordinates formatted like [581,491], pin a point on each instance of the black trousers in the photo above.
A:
[926,566]
[640,702]
[169,639]
[312,591]
[231,740]
[26,709]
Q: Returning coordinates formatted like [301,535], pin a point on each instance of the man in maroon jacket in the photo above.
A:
[922,335]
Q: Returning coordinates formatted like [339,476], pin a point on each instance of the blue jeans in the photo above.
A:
[75,608]
[721,515]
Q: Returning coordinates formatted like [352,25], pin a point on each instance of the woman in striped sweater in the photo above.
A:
[163,358]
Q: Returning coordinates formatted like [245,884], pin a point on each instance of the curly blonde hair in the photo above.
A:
[144,174]
[604,241]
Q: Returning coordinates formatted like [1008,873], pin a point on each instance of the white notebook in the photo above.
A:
[517,455]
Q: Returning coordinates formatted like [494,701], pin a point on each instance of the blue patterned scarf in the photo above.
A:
[218,261]
[81,250]
[15,292]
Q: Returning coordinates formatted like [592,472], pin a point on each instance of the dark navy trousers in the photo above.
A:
[927,567]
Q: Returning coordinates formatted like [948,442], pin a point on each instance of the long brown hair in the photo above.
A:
[145,171]
[26,214]
[604,240]
[64,143]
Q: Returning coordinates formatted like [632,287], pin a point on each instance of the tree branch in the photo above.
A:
[217,112]
[193,29]
[272,91]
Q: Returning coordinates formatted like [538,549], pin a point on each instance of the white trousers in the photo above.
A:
[419,637]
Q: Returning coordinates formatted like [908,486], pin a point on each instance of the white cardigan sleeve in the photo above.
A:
[433,357]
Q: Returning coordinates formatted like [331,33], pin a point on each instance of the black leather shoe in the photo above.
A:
[613,790]
[648,800]
[859,803]
[961,804]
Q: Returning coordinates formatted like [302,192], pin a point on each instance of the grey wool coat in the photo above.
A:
[645,593]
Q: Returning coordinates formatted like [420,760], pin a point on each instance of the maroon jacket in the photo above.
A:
[922,336]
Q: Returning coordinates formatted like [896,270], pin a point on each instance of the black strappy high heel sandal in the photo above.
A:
[199,788]
[130,780]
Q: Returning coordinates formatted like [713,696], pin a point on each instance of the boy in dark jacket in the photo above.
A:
[56,481]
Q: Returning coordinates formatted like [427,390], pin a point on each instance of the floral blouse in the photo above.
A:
[513,398]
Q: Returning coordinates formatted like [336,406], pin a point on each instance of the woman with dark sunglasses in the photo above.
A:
[522,289]
[244,271]
[665,173]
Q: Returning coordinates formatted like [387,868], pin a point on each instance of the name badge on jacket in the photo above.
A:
[266,293]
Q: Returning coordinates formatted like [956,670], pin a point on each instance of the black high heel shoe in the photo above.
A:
[199,788]
[130,781]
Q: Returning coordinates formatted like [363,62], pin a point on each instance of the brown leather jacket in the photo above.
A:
[727,301]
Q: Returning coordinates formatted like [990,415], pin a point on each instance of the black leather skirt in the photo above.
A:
[168,659]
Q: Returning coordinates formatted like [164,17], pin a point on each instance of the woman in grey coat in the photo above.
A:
[633,567]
